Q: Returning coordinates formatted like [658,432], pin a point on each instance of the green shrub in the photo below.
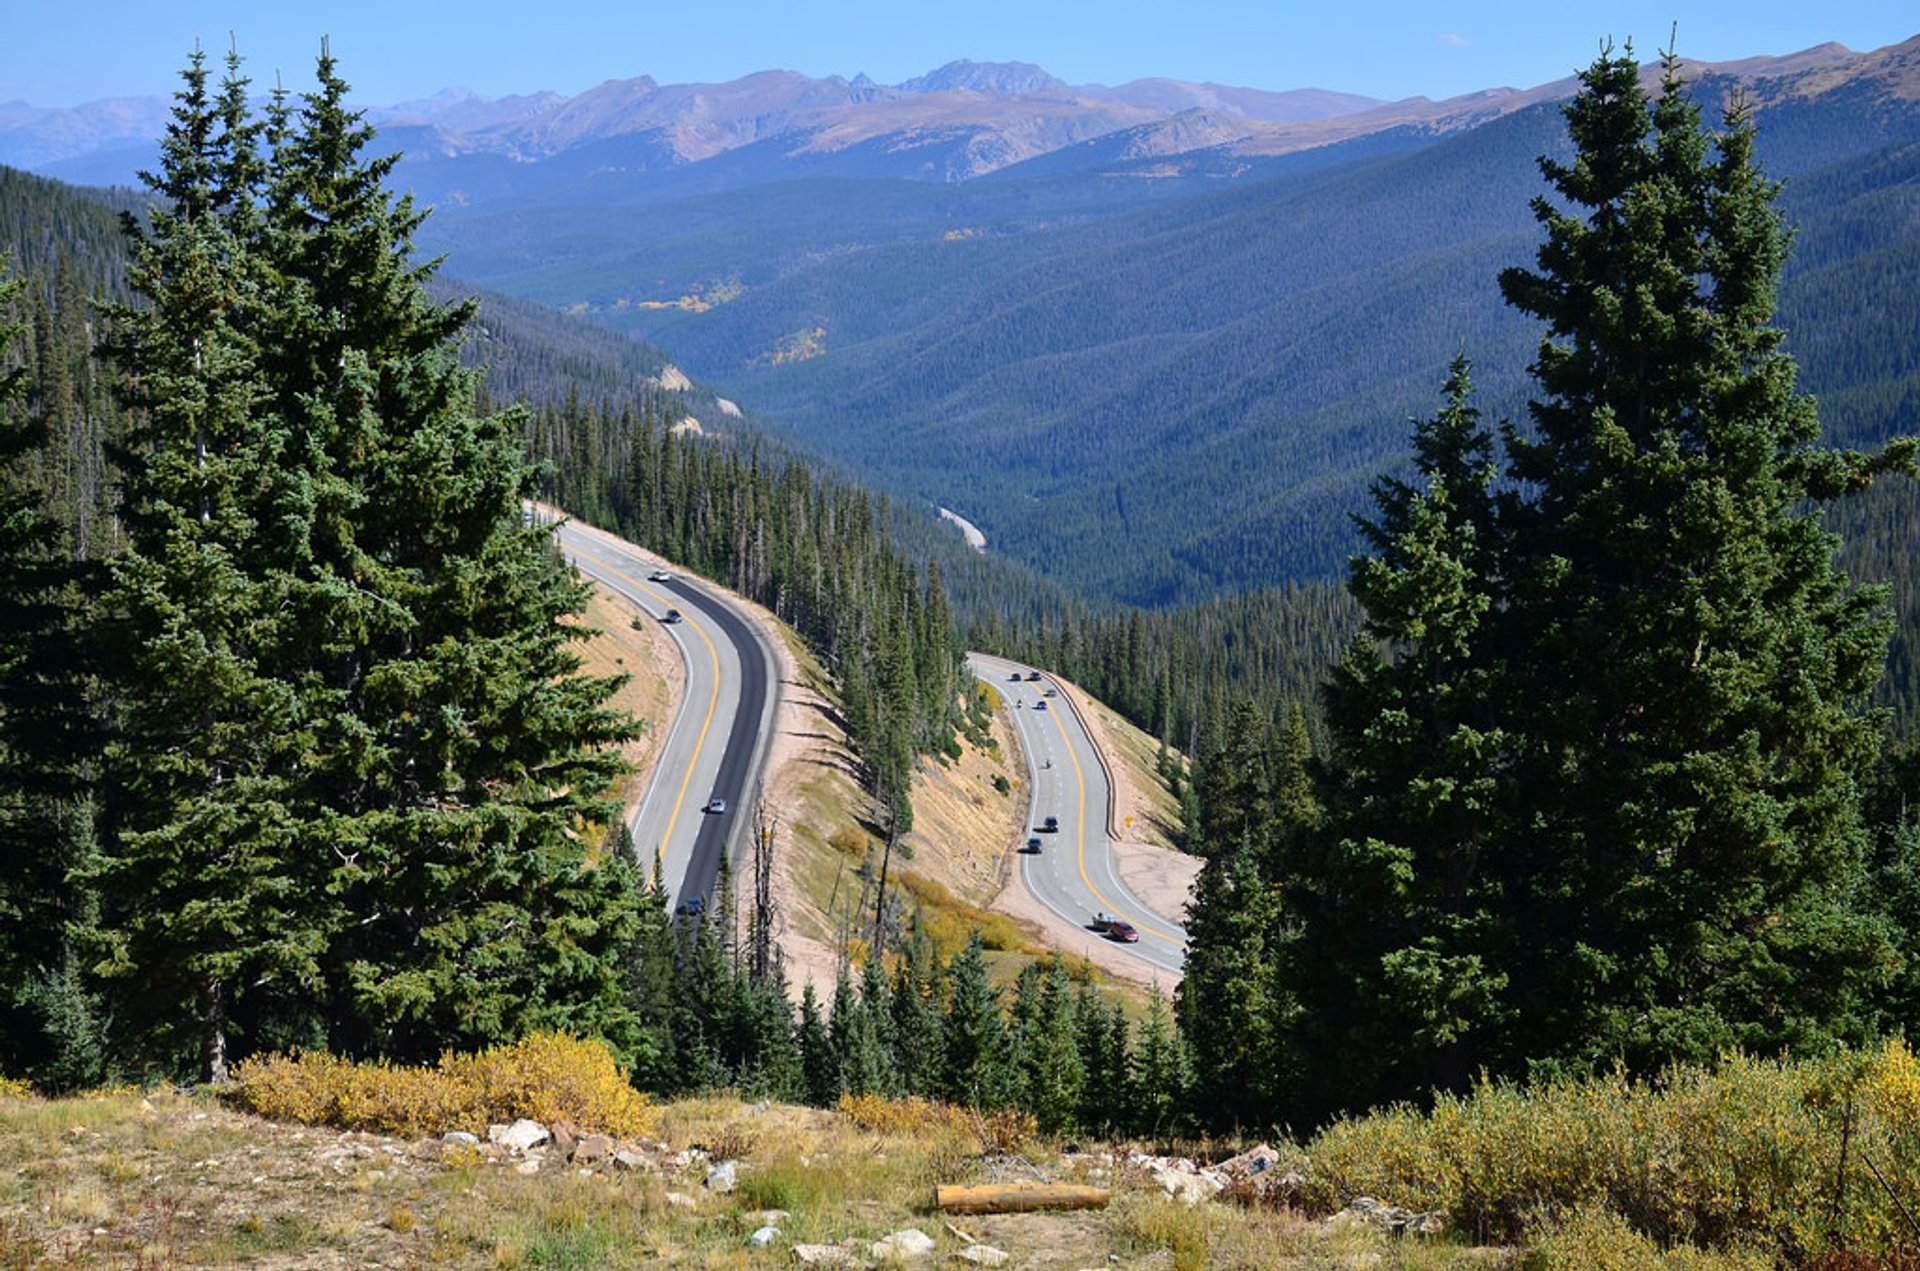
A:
[1746,1152]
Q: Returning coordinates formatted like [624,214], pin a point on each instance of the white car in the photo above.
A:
[716,805]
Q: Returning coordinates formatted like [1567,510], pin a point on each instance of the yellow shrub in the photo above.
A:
[547,1077]
[1707,1157]
[1004,1130]
[14,1088]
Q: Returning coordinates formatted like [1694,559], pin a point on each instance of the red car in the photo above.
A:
[1122,930]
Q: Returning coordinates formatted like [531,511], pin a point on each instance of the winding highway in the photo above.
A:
[716,744]
[1072,874]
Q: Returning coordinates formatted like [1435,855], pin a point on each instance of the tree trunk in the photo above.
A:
[1011,1198]
[213,1048]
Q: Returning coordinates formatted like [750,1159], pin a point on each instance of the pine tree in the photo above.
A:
[1397,982]
[48,1023]
[820,1068]
[206,899]
[1163,1074]
[361,782]
[974,1038]
[1688,708]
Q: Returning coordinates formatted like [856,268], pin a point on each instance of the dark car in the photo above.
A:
[692,908]
[1039,706]
[1033,677]
[1050,826]
[1033,845]
[1015,676]
[673,615]
[1122,930]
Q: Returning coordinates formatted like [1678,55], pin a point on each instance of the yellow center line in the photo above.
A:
[712,701]
[1080,780]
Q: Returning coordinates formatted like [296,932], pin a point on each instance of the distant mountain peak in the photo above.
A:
[1004,78]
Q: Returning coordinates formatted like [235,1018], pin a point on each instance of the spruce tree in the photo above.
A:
[974,1039]
[1397,981]
[211,893]
[360,784]
[1687,669]
[48,1017]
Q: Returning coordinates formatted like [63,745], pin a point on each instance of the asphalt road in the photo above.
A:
[1073,873]
[716,744]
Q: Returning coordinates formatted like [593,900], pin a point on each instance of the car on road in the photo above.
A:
[1050,826]
[1123,931]
[661,576]
[1016,676]
[1033,677]
[1052,692]
[1039,706]
[1103,921]
[716,805]
[692,908]
[1033,845]
[673,615]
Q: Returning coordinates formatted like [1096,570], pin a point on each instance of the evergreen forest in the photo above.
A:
[1601,756]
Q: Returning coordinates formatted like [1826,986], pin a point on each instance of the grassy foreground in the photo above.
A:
[1756,1164]
[165,1180]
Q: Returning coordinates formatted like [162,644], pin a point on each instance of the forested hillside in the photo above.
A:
[1211,380]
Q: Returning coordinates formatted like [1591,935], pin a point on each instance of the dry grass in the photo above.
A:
[172,1180]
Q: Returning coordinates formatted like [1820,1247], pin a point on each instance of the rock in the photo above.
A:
[1390,1218]
[763,1237]
[1257,1161]
[1191,1186]
[1270,1189]
[531,1166]
[564,1139]
[460,1136]
[720,1177]
[628,1159]
[592,1149]
[901,1245]
[823,1255]
[519,1136]
[680,1200]
[982,1256]
[759,1109]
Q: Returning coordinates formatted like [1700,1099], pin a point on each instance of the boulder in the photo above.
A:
[592,1149]
[680,1200]
[628,1159]
[902,1245]
[460,1136]
[721,1177]
[763,1237]
[982,1256]
[520,1136]
[1391,1219]
[823,1255]
[1191,1186]
[1257,1161]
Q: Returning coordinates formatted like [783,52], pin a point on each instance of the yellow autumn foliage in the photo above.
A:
[546,1077]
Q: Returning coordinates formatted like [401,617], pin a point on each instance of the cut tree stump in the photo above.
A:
[1014,1198]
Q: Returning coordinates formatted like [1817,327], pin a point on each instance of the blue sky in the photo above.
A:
[58,52]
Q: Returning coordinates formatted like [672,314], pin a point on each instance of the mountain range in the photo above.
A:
[1154,340]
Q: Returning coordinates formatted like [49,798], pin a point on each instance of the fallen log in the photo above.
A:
[1016,1198]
